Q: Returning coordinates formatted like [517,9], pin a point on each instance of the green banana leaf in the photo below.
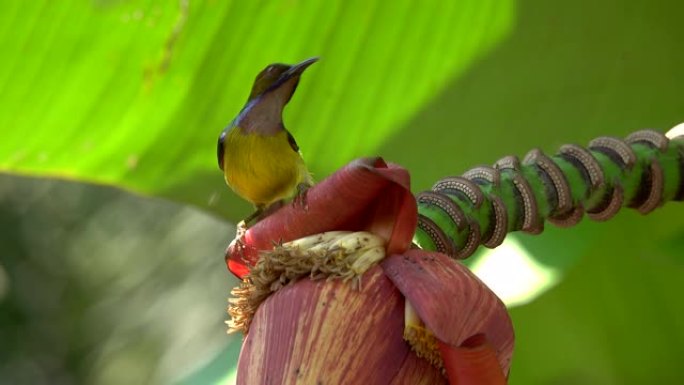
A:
[134,94]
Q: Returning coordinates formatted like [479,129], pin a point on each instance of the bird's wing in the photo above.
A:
[292,141]
[220,147]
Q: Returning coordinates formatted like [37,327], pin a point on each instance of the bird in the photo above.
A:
[259,157]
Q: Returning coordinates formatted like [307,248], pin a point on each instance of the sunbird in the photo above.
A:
[259,157]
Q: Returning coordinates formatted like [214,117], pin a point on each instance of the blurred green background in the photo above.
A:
[114,215]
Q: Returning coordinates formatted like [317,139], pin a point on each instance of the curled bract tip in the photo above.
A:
[475,362]
[451,301]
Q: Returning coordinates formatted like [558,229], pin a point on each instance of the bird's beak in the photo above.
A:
[287,83]
[297,69]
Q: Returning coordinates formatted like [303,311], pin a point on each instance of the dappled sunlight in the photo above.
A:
[513,274]
[677,130]
[229,379]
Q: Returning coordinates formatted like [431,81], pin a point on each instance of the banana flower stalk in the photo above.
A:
[336,293]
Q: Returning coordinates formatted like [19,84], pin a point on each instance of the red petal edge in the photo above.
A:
[473,363]
[452,301]
[366,194]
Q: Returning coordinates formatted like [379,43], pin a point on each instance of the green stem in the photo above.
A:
[643,171]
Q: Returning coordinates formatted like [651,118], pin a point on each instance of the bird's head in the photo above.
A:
[272,89]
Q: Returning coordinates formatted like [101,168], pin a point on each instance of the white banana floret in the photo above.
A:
[360,249]
[358,241]
[367,259]
[322,239]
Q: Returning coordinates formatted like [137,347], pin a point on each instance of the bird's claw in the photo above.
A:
[299,200]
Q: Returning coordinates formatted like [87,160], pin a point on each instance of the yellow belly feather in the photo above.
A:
[262,168]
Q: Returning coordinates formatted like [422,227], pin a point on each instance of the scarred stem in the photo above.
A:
[642,171]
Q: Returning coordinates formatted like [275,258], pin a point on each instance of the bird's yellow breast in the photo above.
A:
[262,168]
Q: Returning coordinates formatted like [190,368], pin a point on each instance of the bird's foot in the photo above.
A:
[273,207]
[261,213]
[299,200]
[251,220]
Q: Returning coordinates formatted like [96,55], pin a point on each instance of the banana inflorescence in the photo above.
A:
[643,171]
